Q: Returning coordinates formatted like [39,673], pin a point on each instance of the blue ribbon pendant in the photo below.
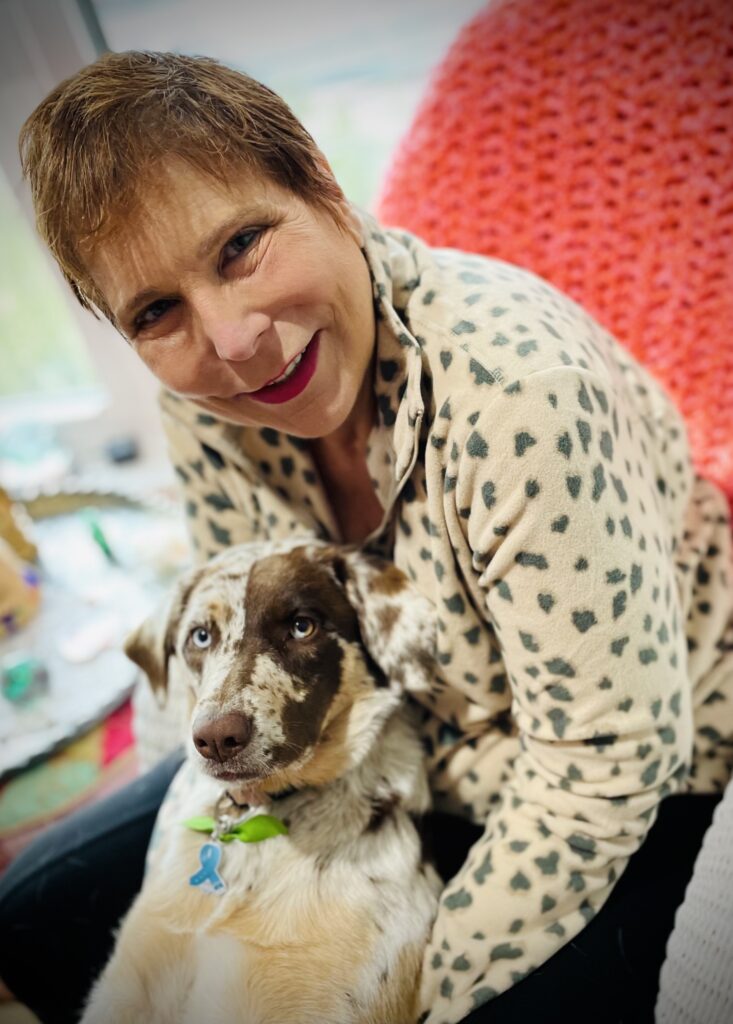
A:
[208,879]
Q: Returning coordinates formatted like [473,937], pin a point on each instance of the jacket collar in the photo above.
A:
[392,445]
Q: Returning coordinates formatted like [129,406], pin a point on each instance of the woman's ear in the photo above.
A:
[398,623]
[151,645]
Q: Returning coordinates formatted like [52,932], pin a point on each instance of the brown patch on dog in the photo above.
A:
[279,589]
[331,755]
[387,617]
[389,580]
[282,585]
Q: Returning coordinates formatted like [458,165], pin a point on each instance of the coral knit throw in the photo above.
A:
[592,142]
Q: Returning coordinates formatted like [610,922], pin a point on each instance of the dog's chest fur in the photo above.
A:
[329,917]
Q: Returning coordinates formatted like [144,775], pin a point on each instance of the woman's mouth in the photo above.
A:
[293,379]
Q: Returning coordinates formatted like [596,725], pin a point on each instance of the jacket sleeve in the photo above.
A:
[566,527]
[219,502]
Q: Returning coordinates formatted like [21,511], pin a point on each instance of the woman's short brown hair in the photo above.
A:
[90,144]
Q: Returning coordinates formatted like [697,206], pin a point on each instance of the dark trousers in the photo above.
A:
[62,898]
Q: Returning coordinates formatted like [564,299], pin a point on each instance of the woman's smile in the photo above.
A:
[294,379]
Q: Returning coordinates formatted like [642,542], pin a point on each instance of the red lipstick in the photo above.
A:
[275,393]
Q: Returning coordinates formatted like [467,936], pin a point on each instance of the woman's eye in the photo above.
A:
[153,313]
[302,627]
[237,245]
[201,638]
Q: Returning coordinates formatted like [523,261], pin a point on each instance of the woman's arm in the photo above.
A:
[574,564]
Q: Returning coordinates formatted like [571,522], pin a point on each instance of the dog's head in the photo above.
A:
[293,660]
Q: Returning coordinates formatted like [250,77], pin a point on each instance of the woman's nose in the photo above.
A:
[234,333]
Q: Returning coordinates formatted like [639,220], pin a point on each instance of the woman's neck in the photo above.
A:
[341,458]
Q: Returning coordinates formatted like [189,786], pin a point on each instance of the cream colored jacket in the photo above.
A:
[537,486]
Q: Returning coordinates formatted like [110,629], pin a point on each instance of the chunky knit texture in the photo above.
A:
[592,142]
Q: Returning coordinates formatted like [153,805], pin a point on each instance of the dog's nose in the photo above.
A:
[219,739]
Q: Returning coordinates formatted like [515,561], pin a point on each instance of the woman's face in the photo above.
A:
[224,289]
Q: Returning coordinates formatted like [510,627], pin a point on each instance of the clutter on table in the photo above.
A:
[103,562]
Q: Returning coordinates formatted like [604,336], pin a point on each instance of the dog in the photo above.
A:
[295,658]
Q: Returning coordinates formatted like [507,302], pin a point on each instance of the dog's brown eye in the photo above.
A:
[201,638]
[302,627]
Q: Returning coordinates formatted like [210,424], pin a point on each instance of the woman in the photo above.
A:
[324,375]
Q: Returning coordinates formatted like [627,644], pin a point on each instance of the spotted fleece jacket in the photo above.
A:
[537,486]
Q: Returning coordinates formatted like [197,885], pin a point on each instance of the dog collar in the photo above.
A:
[226,825]
[253,828]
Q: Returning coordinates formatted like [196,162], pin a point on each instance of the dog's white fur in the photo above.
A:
[328,924]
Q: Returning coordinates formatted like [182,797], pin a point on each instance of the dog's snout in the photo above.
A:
[219,739]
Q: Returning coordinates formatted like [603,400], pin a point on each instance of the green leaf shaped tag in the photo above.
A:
[200,824]
[254,830]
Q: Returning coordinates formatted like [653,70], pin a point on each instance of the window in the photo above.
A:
[43,351]
[58,364]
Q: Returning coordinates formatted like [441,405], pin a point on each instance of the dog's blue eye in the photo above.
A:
[201,638]
[302,627]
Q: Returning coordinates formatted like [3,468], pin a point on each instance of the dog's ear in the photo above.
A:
[151,645]
[398,624]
